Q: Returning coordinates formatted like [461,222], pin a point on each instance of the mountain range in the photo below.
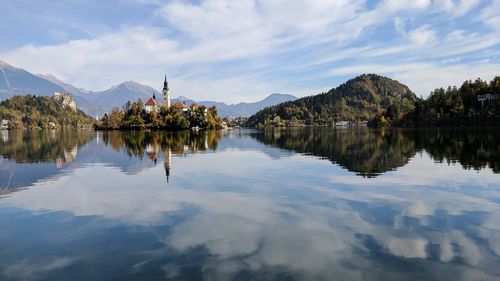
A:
[17,81]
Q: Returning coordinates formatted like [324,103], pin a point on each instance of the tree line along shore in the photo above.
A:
[367,100]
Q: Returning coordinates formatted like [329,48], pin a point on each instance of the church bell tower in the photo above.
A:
[166,94]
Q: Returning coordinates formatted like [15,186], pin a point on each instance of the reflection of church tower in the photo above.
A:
[167,160]
[166,94]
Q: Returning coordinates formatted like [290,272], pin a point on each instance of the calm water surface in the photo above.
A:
[300,204]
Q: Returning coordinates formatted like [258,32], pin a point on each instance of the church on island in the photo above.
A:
[151,104]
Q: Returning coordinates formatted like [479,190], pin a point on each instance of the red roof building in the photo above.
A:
[151,102]
[151,105]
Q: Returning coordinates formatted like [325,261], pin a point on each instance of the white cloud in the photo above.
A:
[408,248]
[490,15]
[264,227]
[423,35]
[399,25]
[239,50]
[457,8]
[398,5]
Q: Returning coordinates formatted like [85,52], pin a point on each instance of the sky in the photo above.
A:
[244,50]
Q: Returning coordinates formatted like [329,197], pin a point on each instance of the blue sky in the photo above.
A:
[244,50]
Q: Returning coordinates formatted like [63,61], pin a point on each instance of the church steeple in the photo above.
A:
[165,84]
[166,94]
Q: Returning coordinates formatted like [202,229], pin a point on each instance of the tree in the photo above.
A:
[115,118]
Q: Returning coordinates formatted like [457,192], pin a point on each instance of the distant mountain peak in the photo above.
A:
[131,83]
[277,94]
[182,98]
[51,78]
[67,87]
[281,96]
[4,64]
[133,86]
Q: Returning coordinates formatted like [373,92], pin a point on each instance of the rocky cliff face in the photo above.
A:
[65,99]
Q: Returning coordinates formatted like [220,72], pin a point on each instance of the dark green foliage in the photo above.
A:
[458,106]
[385,102]
[361,98]
[35,112]
[134,116]
[179,142]
[371,152]
[364,151]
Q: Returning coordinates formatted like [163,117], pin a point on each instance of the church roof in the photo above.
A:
[151,102]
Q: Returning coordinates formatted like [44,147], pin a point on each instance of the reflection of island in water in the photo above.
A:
[369,153]
[28,157]
[153,145]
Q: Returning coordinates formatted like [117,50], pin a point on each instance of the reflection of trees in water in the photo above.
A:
[139,143]
[40,146]
[151,144]
[372,152]
[473,149]
[366,152]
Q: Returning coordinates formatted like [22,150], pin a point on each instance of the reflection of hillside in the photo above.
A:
[37,147]
[366,152]
[372,152]
[473,149]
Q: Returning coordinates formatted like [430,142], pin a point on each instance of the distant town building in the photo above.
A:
[195,107]
[362,124]
[351,124]
[343,124]
[66,99]
[489,97]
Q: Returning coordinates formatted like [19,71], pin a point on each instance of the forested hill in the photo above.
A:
[35,112]
[475,103]
[359,99]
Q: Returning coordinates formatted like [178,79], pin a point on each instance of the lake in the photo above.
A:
[274,204]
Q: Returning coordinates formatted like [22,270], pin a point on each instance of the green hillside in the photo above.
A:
[35,112]
[359,99]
